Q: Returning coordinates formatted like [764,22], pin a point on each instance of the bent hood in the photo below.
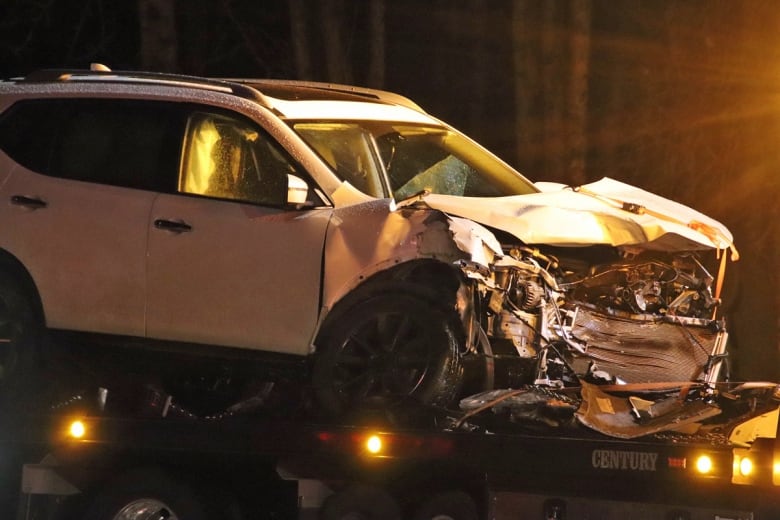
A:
[605,212]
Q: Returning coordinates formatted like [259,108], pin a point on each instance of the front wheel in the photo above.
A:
[395,344]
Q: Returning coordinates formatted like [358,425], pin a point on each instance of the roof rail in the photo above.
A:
[268,86]
[101,73]
[249,88]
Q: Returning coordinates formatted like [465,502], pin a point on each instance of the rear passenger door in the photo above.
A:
[229,263]
[76,205]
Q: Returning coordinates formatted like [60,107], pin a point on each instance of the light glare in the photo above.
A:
[77,429]
[704,464]
[745,466]
[374,444]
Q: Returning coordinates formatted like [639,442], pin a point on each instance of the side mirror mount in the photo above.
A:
[297,190]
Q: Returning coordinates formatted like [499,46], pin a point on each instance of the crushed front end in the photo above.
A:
[634,321]
[628,335]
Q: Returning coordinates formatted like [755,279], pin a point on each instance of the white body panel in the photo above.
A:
[244,276]
[593,214]
[85,250]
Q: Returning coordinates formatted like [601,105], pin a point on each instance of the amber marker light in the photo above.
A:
[704,464]
[77,429]
[374,444]
[745,466]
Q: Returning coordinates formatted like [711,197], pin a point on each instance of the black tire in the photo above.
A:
[394,344]
[146,494]
[20,335]
[360,502]
[448,505]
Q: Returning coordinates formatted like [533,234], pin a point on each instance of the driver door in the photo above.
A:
[229,264]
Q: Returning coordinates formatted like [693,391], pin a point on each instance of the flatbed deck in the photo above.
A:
[498,467]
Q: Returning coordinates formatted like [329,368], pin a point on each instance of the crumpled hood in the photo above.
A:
[605,212]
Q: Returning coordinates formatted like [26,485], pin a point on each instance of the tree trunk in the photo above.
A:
[159,41]
[376,59]
[300,40]
[578,90]
[553,93]
[526,76]
[478,61]
[336,61]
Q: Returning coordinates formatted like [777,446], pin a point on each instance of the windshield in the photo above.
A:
[411,158]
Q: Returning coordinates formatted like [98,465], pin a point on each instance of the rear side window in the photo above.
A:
[27,133]
[128,143]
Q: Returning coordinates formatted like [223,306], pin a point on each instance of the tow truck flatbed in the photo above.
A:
[579,474]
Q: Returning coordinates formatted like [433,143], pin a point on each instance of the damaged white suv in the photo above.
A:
[339,226]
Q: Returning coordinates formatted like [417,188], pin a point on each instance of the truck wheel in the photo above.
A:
[360,502]
[391,346]
[147,494]
[20,331]
[449,505]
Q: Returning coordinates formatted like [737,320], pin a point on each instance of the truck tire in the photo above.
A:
[395,344]
[448,505]
[20,333]
[360,502]
[146,494]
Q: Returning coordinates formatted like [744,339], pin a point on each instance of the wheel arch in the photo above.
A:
[369,379]
[11,265]
[438,282]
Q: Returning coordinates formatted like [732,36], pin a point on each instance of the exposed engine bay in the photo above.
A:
[636,321]
[629,348]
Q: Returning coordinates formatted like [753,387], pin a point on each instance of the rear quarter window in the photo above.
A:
[27,133]
[129,143]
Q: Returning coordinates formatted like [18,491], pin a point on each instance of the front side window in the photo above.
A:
[230,158]
[411,158]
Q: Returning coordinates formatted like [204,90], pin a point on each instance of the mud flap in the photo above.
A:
[616,416]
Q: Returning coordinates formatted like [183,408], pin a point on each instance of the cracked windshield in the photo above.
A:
[410,159]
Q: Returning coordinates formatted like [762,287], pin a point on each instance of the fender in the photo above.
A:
[366,239]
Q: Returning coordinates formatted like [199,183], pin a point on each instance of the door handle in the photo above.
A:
[172,226]
[28,202]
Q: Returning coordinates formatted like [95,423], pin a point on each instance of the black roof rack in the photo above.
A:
[160,78]
[294,89]
[249,88]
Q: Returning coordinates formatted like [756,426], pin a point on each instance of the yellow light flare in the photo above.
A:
[374,444]
[77,429]
[745,466]
[704,464]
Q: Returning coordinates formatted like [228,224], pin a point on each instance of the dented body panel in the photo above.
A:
[365,239]
[605,212]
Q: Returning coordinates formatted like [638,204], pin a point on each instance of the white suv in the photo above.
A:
[277,220]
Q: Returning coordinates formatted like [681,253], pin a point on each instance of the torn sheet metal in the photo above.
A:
[624,417]
[619,417]
[534,404]
[478,242]
[740,413]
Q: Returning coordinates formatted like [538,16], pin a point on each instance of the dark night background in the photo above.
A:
[679,97]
